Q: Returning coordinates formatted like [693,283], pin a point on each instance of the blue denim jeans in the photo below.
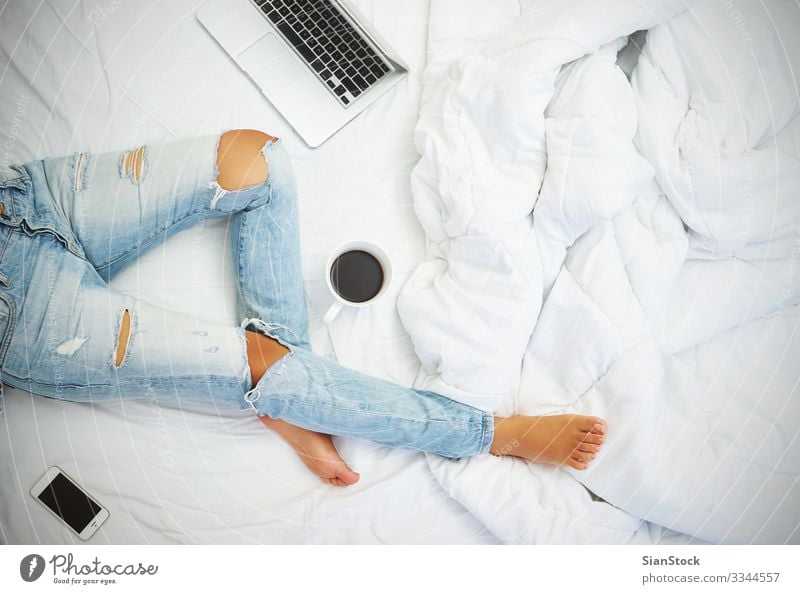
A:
[67,225]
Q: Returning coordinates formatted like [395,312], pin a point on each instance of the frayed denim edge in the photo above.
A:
[246,376]
[488,432]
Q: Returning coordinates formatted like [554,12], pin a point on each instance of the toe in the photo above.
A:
[576,464]
[599,426]
[335,482]
[593,438]
[582,456]
[589,448]
[347,476]
[593,425]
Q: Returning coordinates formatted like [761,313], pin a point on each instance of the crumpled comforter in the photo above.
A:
[622,242]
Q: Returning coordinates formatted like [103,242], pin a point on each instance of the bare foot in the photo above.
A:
[317,452]
[573,440]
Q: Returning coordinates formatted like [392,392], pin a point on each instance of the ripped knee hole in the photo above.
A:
[241,163]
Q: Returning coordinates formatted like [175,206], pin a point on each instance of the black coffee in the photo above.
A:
[357,276]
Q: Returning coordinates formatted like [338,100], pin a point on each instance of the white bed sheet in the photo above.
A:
[77,74]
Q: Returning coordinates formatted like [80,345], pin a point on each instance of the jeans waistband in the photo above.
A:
[15,189]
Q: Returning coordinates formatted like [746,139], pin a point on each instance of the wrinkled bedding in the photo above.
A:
[622,240]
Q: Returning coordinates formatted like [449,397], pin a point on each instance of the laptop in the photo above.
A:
[317,61]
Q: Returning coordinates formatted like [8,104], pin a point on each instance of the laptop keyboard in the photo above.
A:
[331,46]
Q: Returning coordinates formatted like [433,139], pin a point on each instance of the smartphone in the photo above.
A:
[69,503]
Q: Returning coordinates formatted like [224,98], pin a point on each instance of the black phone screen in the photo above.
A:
[70,503]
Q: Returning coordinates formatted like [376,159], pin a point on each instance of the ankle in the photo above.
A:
[505,439]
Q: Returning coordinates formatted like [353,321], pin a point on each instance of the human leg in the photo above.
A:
[70,337]
[315,449]
[265,237]
[265,244]
[310,391]
[121,204]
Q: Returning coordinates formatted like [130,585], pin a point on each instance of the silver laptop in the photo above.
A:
[317,61]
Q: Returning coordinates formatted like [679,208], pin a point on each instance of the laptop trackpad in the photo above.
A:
[272,63]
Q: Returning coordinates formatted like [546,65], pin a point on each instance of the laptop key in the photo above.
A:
[351,86]
[340,90]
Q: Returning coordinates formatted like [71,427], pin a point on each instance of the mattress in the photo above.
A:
[79,75]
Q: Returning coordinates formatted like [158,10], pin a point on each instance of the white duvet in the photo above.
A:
[626,248]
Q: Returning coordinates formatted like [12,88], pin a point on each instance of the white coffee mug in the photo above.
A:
[340,302]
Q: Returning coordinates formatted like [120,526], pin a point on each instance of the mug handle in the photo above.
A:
[332,312]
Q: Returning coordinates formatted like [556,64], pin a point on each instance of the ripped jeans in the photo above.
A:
[67,225]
